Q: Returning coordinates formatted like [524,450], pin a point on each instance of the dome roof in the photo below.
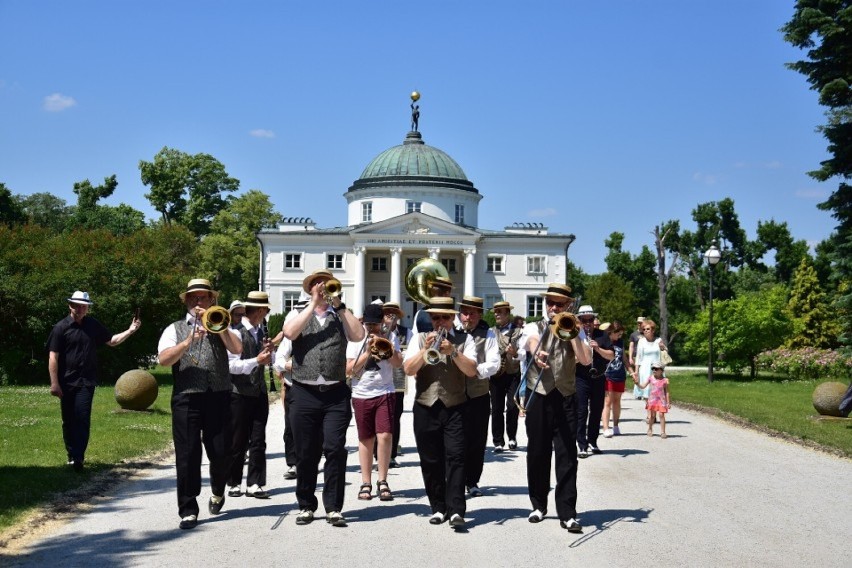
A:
[413,163]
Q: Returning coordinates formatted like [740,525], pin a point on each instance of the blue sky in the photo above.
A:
[589,117]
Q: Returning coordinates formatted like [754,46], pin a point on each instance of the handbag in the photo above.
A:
[665,358]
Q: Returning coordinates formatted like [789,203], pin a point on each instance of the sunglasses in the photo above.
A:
[647,329]
[444,317]
[555,303]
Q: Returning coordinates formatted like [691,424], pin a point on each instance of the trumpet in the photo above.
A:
[215,319]
[432,356]
[333,289]
[381,348]
[565,326]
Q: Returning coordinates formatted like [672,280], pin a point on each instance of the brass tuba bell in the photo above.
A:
[421,276]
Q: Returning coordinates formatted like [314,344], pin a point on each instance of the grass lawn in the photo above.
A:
[767,402]
[32,455]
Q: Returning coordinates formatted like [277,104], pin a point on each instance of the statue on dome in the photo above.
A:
[415,111]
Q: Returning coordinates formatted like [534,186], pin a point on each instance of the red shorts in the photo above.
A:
[614,386]
[374,415]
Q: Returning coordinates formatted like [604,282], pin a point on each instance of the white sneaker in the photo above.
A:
[536,516]
[608,433]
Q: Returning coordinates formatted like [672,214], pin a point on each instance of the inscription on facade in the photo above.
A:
[413,241]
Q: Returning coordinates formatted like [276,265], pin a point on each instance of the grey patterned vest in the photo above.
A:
[443,381]
[320,350]
[562,363]
[211,371]
[474,386]
[509,366]
[252,384]
[399,382]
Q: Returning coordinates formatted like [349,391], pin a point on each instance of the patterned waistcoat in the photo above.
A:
[320,350]
[476,387]
[443,381]
[211,371]
[252,384]
[562,363]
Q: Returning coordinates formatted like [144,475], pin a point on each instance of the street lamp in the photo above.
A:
[713,257]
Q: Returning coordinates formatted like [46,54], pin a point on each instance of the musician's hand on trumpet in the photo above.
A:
[265,355]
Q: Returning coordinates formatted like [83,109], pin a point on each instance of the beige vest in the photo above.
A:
[562,363]
[443,381]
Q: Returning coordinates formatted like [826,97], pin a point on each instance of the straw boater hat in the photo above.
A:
[234,305]
[501,305]
[442,282]
[309,279]
[199,285]
[257,299]
[560,291]
[441,305]
[586,310]
[393,308]
[640,319]
[471,302]
[79,297]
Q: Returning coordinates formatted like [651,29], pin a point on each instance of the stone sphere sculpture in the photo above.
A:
[827,397]
[136,390]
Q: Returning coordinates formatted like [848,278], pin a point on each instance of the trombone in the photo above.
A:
[564,326]
[215,319]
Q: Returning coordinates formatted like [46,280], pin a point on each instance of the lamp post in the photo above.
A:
[713,257]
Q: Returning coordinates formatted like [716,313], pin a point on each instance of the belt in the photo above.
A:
[320,388]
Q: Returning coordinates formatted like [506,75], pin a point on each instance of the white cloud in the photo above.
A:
[547,212]
[773,165]
[706,179]
[811,193]
[57,102]
[262,133]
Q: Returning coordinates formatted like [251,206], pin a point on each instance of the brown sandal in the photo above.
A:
[366,492]
[384,491]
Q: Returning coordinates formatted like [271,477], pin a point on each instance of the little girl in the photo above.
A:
[658,399]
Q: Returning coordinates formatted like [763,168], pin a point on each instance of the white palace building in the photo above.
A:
[410,202]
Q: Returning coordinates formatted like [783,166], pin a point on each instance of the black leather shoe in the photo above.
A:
[572,526]
[215,506]
[189,522]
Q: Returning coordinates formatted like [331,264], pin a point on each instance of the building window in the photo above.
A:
[494,263]
[292,261]
[535,306]
[536,265]
[449,264]
[491,300]
[334,261]
[413,206]
[375,297]
[367,212]
[410,261]
[380,264]
[459,214]
[289,300]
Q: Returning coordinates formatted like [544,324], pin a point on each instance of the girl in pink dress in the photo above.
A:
[658,401]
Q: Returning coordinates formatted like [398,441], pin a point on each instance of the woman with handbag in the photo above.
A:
[648,351]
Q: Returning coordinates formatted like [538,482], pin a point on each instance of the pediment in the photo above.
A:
[414,224]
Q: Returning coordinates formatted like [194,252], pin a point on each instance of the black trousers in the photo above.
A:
[76,407]
[249,415]
[503,390]
[439,432]
[551,422]
[590,402]
[476,414]
[200,418]
[289,444]
[319,421]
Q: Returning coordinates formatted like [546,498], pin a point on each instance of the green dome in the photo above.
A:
[413,163]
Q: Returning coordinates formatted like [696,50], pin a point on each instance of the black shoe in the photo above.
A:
[457,522]
[594,449]
[290,473]
[572,526]
[393,463]
[215,504]
[77,465]
[189,522]
[335,519]
[513,445]
[437,518]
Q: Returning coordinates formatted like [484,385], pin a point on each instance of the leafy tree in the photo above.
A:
[577,279]
[612,298]
[46,210]
[742,327]
[11,212]
[120,220]
[638,271]
[187,189]
[230,254]
[788,253]
[824,28]
[814,322]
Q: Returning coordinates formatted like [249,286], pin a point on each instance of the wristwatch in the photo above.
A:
[455,353]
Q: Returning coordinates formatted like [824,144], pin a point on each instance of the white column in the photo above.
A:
[357,303]
[396,277]
[434,252]
[469,255]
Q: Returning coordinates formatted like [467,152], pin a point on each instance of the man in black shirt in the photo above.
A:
[73,366]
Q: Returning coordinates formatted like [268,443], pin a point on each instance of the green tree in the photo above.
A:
[612,298]
[230,253]
[742,327]
[46,210]
[187,189]
[772,235]
[638,271]
[120,220]
[11,212]
[814,321]
[577,278]
[824,28]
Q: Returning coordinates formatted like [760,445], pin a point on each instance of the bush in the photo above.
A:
[808,363]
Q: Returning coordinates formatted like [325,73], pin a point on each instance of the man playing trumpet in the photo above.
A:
[440,361]
[551,414]
[201,399]
[370,364]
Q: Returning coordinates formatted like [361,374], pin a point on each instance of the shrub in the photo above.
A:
[806,364]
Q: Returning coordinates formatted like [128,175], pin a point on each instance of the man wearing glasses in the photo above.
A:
[551,415]
[438,409]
